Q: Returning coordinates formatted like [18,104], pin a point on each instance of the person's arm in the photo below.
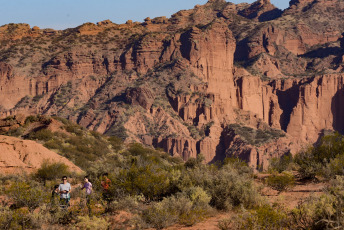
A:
[70,188]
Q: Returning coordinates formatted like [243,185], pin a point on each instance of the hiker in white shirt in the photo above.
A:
[64,190]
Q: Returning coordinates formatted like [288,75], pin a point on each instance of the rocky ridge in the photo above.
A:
[181,83]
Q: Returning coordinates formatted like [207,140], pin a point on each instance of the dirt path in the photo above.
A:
[292,198]
[209,224]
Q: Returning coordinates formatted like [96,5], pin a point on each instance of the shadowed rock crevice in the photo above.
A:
[221,147]
[186,45]
[323,52]
[270,15]
[337,107]
[287,101]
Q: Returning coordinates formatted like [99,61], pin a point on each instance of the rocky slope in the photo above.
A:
[220,79]
[18,156]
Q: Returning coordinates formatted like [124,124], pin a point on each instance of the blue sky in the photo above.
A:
[61,14]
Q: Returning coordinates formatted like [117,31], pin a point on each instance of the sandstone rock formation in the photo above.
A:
[17,156]
[180,83]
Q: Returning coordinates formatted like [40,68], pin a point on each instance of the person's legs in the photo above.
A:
[107,199]
[88,204]
[64,202]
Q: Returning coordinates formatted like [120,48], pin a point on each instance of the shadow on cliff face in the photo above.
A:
[337,108]
[220,152]
[323,52]
[270,15]
[186,45]
[287,101]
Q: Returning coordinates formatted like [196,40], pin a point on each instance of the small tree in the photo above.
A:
[27,195]
[281,182]
[51,171]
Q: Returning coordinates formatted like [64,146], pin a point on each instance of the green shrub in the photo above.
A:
[74,128]
[308,167]
[324,212]
[227,186]
[6,217]
[30,195]
[280,164]
[230,189]
[239,165]
[281,182]
[334,167]
[264,217]
[116,143]
[42,134]
[194,162]
[53,144]
[51,171]
[197,195]
[256,136]
[179,208]
[315,161]
[90,223]
[16,132]
[151,180]
[19,219]
[163,214]
[127,203]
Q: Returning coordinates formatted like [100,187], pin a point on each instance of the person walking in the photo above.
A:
[105,183]
[64,190]
[88,189]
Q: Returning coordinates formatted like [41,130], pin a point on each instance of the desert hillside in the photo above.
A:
[220,79]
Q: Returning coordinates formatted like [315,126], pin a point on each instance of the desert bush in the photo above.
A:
[315,160]
[38,118]
[42,134]
[194,162]
[281,182]
[227,186]
[162,214]
[16,132]
[200,206]
[280,164]
[334,167]
[263,217]
[6,217]
[90,223]
[137,171]
[127,203]
[74,128]
[19,219]
[308,167]
[239,165]
[256,136]
[229,189]
[324,212]
[24,194]
[53,144]
[116,143]
[187,208]
[52,170]
[151,180]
